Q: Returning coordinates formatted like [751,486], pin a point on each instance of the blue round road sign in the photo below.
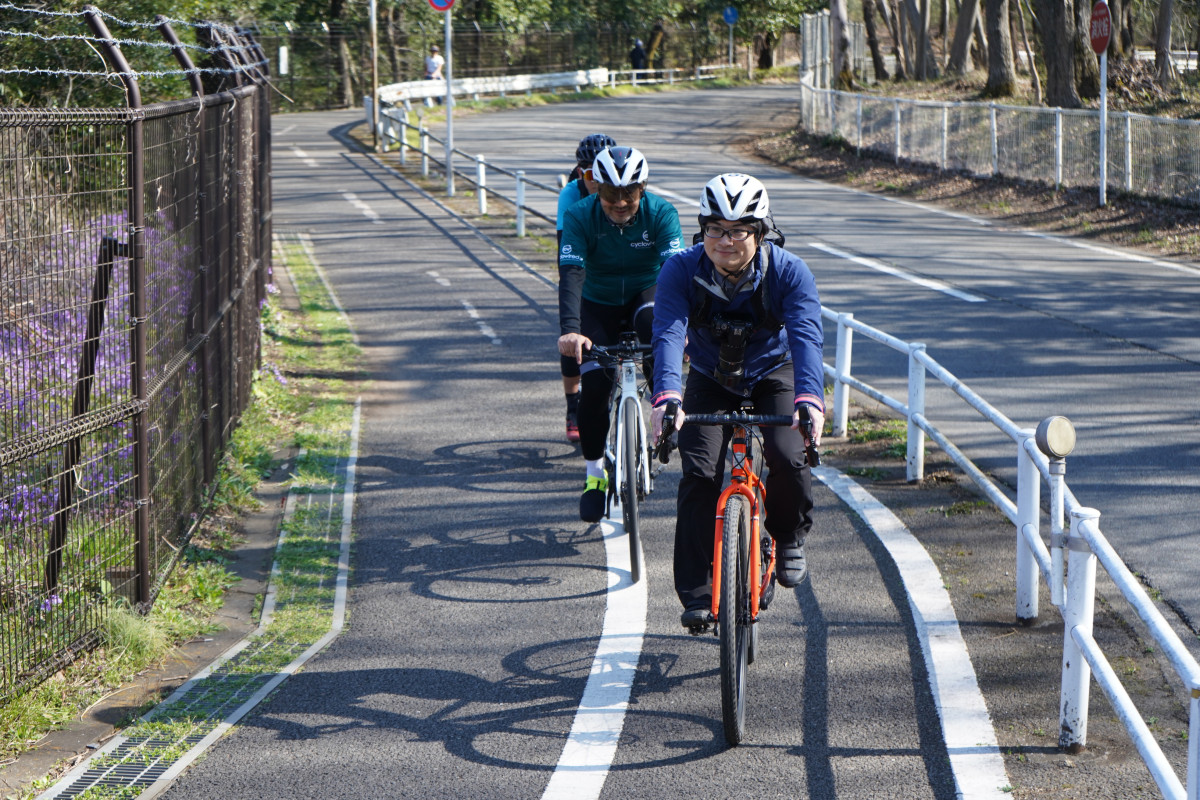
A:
[441,5]
[731,14]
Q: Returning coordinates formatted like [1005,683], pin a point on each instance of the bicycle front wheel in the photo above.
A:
[735,623]
[629,484]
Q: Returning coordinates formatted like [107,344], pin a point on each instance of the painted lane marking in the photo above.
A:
[484,328]
[592,743]
[928,283]
[367,211]
[308,160]
[966,726]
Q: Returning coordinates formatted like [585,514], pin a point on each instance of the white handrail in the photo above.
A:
[1085,547]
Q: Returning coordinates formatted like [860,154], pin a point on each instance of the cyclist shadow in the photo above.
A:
[817,752]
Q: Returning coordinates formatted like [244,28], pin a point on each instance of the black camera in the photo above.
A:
[733,334]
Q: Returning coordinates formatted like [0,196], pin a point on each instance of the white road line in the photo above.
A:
[1189,269]
[666,193]
[308,160]
[966,726]
[306,244]
[367,211]
[928,283]
[592,743]
[484,328]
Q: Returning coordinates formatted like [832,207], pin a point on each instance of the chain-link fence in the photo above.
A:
[330,67]
[1148,156]
[134,257]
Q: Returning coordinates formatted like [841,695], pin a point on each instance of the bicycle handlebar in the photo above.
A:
[739,418]
[613,353]
[663,449]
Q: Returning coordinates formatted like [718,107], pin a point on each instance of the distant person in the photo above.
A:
[637,56]
[433,66]
[580,185]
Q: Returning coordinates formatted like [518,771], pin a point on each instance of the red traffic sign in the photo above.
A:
[441,5]
[1100,29]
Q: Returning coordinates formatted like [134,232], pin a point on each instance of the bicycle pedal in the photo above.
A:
[698,630]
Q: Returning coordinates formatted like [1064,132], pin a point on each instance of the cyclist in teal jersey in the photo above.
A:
[580,186]
[613,245]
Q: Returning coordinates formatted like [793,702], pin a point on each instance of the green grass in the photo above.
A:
[300,399]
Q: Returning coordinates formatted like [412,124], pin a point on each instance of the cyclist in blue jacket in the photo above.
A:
[613,245]
[748,315]
[578,187]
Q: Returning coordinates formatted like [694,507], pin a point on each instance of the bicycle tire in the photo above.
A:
[629,485]
[735,624]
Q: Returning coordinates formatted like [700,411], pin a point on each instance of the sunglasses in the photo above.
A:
[615,194]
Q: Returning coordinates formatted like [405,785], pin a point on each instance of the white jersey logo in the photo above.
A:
[566,249]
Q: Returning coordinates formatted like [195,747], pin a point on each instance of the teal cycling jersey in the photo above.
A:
[571,194]
[618,262]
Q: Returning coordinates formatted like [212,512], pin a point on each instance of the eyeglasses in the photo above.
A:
[734,234]
[615,194]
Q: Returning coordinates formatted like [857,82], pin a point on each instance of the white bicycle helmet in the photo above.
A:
[620,166]
[734,196]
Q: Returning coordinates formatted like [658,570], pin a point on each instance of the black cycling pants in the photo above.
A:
[604,326]
[702,451]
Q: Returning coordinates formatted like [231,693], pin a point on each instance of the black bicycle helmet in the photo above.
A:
[590,147]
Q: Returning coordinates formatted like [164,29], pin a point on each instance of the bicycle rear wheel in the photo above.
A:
[735,623]
[629,484]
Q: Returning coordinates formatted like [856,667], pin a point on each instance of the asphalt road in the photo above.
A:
[477,597]
[1107,338]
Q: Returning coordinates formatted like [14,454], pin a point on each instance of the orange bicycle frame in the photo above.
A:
[744,481]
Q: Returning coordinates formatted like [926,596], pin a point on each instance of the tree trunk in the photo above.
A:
[1162,45]
[1058,23]
[960,49]
[1087,64]
[944,21]
[1033,72]
[898,50]
[980,53]
[918,19]
[839,33]
[881,73]
[1116,49]
[1002,79]
[345,72]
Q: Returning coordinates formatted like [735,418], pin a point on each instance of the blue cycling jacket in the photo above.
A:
[790,295]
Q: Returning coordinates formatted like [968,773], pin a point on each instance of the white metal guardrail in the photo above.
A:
[1075,552]
[395,125]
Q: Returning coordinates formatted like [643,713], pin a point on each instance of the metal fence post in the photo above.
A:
[841,392]
[1193,762]
[520,203]
[896,126]
[1077,613]
[858,127]
[916,405]
[1029,508]
[1057,148]
[481,182]
[424,139]
[1128,152]
[995,139]
[404,141]
[1056,439]
[945,134]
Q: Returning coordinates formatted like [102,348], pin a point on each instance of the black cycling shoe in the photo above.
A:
[696,619]
[790,566]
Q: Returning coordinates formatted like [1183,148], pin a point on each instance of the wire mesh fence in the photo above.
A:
[135,247]
[1147,156]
